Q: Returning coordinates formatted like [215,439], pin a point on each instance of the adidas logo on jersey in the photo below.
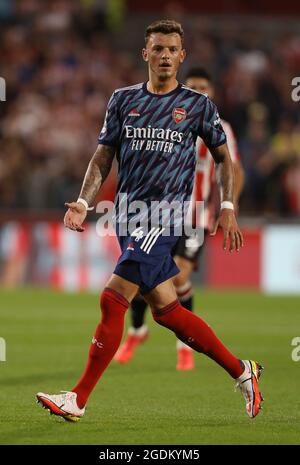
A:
[134,112]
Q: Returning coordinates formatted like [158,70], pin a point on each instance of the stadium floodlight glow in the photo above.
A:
[2,350]
[2,90]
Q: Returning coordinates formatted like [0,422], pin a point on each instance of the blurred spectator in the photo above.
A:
[276,169]
[61,63]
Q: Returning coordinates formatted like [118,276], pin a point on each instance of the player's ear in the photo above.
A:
[182,55]
[145,54]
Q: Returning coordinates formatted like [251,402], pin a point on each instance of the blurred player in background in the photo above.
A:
[186,252]
[153,127]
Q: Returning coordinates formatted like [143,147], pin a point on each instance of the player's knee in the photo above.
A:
[185,290]
[121,284]
[167,316]
[185,268]
[161,320]
[112,303]
[180,279]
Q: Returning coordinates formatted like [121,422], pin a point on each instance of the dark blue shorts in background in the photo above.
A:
[146,259]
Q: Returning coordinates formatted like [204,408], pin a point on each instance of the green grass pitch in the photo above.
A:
[147,402]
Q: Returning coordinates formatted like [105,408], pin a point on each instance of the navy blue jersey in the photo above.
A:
[155,137]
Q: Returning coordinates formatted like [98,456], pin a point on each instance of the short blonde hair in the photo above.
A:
[165,26]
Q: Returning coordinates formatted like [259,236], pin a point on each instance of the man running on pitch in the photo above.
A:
[152,128]
[189,247]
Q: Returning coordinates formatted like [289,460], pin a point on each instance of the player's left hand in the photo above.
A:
[232,232]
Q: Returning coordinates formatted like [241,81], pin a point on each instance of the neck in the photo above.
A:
[161,87]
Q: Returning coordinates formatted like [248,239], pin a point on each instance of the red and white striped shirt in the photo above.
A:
[205,174]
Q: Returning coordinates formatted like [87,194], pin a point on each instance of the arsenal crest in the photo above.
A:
[179,115]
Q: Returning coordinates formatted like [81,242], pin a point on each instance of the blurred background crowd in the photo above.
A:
[61,61]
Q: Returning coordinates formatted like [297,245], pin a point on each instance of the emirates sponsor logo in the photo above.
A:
[152,139]
[153,133]
[179,115]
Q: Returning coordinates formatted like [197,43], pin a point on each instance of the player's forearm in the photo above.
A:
[225,180]
[224,172]
[97,171]
[239,180]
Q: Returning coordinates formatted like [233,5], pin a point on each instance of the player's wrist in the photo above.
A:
[84,203]
[227,204]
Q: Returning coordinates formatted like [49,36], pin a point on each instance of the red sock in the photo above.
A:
[193,331]
[104,344]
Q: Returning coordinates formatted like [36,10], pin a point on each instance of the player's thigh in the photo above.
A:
[161,296]
[124,287]
[186,267]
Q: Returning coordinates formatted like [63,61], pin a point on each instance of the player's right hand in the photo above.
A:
[75,216]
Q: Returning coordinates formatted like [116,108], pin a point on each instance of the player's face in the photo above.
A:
[200,85]
[164,54]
